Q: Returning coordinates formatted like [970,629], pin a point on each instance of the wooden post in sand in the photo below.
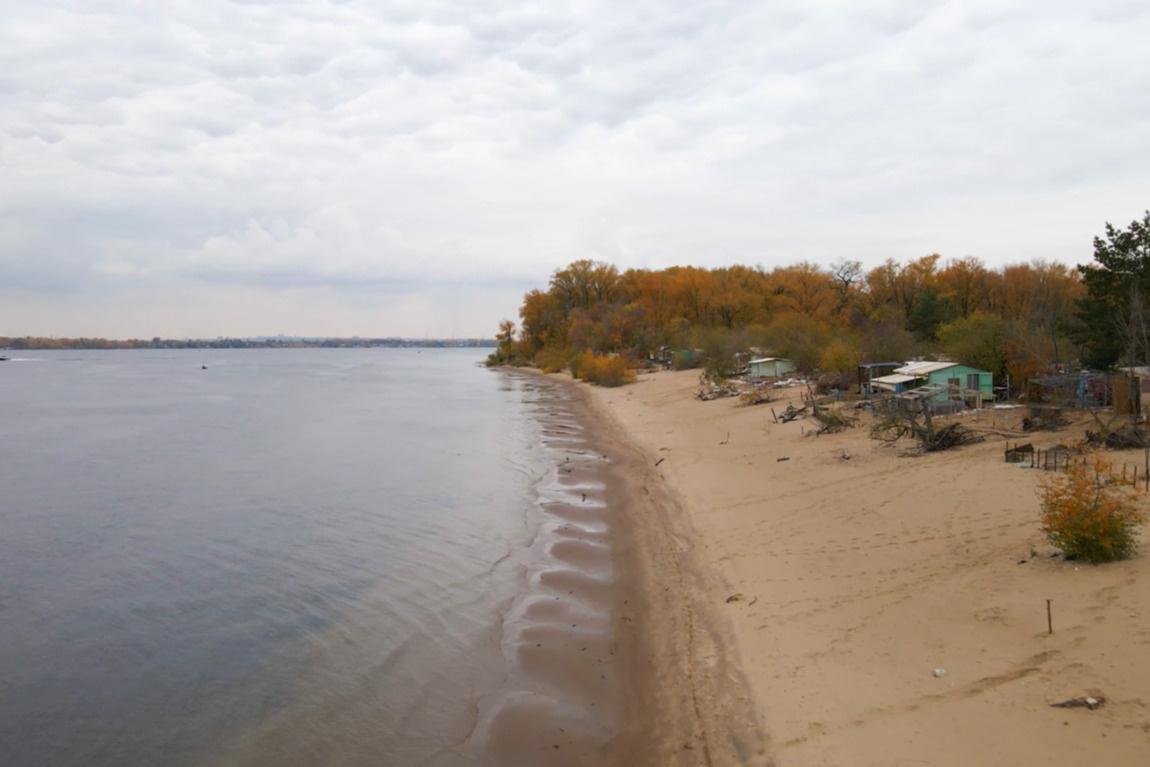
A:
[1049,620]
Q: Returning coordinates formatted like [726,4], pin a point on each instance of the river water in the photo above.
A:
[303,556]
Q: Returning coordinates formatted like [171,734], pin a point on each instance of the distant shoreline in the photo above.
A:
[29,343]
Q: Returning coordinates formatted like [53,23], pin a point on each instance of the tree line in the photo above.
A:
[1015,321]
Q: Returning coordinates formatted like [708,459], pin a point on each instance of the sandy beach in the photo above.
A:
[797,594]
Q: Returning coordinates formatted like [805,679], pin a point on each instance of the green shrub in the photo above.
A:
[686,360]
[719,369]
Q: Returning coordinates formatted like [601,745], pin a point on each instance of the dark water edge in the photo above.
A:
[212,566]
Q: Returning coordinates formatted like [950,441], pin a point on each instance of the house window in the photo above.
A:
[972,381]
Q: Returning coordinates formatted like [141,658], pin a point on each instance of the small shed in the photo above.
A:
[771,367]
[895,382]
[869,371]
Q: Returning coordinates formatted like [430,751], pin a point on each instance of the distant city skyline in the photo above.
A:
[335,169]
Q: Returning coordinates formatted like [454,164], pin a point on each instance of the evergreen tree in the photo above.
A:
[1111,324]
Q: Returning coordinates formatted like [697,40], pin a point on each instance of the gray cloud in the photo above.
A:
[218,148]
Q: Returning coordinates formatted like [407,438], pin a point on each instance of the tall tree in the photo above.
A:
[584,283]
[1107,328]
[965,283]
[845,277]
[978,340]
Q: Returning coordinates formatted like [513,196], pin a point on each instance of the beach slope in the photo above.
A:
[881,609]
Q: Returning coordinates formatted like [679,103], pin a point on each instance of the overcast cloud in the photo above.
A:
[411,168]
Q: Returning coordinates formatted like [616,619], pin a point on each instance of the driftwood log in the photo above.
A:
[792,412]
[920,425]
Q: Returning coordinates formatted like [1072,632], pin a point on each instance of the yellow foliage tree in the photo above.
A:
[840,357]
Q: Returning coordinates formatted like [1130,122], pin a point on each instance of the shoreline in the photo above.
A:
[683,696]
[847,572]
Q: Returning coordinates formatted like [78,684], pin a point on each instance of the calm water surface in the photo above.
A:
[187,554]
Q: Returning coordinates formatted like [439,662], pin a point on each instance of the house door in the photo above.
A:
[957,384]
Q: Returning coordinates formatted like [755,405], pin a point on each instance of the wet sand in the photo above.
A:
[626,661]
[609,655]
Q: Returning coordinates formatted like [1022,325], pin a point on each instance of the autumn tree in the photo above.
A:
[544,323]
[881,297]
[846,275]
[799,337]
[505,351]
[1015,319]
[916,280]
[804,288]
[692,291]
[965,284]
[978,341]
[886,342]
[583,283]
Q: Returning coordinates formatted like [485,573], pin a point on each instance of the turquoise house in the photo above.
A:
[943,375]
[952,374]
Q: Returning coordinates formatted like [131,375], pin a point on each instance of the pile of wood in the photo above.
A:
[920,426]
[756,395]
[1122,438]
[790,414]
[717,392]
[1118,432]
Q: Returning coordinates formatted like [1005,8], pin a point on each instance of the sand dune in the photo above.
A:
[855,572]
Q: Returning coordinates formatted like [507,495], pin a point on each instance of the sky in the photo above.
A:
[198,168]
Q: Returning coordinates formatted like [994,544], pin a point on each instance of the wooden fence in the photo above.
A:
[1060,460]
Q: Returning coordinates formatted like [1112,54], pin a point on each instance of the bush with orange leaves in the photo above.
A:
[1089,516]
[603,369]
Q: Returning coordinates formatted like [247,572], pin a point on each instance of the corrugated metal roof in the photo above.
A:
[768,359]
[894,379]
[925,368]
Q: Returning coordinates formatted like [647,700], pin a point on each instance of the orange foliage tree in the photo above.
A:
[821,317]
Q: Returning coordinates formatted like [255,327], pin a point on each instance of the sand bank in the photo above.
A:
[832,575]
